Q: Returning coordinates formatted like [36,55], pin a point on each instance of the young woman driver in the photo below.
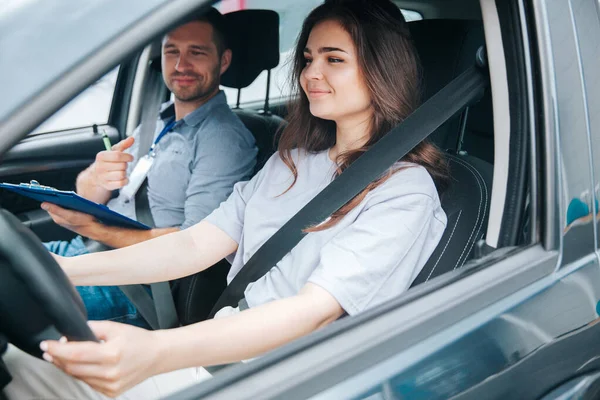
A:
[356,75]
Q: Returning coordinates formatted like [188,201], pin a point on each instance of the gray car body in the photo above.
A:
[518,323]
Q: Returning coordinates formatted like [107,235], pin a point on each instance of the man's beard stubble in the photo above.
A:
[203,88]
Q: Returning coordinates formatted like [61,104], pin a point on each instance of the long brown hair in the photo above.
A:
[390,67]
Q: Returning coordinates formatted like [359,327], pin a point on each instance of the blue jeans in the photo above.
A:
[106,303]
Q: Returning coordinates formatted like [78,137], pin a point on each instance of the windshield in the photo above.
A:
[41,40]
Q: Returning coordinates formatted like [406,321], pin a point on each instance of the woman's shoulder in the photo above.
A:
[298,156]
[409,178]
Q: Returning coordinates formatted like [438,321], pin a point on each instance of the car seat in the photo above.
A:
[446,49]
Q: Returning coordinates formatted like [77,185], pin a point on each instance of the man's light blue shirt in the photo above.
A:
[196,165]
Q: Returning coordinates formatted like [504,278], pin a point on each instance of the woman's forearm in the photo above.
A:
[247,334]
[168,257]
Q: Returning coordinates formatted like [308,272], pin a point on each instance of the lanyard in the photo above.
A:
[162,133]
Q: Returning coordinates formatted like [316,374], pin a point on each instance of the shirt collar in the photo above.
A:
[199,114]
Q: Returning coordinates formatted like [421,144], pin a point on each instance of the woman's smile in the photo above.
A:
[317,93]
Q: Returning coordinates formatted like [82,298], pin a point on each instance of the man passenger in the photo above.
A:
[197,162]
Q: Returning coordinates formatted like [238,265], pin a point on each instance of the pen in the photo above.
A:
[106,141]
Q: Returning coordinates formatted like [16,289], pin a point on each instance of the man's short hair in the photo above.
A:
[219,24]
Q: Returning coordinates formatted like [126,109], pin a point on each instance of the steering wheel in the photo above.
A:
[37,300]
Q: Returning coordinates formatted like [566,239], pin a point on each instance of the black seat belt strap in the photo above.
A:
[164,304]
[459,93]
[159,310]
[142,301]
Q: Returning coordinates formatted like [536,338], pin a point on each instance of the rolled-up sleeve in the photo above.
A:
[223,158]
[381,252]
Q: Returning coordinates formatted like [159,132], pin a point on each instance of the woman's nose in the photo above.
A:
[313,70]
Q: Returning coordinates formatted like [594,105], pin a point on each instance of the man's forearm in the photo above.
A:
[122,237]
[86,187]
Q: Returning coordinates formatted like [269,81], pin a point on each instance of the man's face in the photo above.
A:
[191,65]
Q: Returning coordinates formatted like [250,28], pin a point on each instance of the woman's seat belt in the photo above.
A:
[461,92]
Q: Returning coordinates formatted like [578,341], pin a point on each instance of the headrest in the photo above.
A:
[446,48]
[254,37]
[254,42]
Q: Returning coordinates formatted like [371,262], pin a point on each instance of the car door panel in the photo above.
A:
[590,60]
[519,346]
[359,354]
[58,146]
[570,31]
[520,354]
[581,388]
[52,159]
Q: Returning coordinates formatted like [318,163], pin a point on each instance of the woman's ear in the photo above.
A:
[225,60]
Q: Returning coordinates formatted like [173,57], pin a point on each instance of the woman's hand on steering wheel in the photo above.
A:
[126,356]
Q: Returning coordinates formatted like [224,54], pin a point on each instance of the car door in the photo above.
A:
[65,144]
[515,323]
[591,60]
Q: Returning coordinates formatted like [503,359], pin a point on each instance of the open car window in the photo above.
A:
[91,107]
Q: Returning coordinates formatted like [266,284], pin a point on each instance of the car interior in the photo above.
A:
[446,49]
[450,38]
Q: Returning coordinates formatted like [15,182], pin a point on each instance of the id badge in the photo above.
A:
[139,173]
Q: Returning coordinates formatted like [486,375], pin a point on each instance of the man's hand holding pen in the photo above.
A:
[110,167]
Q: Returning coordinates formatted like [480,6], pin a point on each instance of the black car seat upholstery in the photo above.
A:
[255,47]
[467,204]
[446,49]
[5,377]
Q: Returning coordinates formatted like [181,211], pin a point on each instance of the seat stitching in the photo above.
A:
[445,247]
[484,211]
[478,221]
[470,169]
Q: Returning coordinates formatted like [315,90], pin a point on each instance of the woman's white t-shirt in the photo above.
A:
[370,256]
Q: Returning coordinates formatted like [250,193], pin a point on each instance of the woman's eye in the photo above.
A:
[335,60]
[307,61]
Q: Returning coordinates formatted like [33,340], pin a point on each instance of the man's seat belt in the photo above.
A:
[461,92]
[159,310]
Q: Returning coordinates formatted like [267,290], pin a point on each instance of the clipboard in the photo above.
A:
[72,201]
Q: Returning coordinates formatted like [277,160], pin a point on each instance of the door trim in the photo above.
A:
[352,346]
